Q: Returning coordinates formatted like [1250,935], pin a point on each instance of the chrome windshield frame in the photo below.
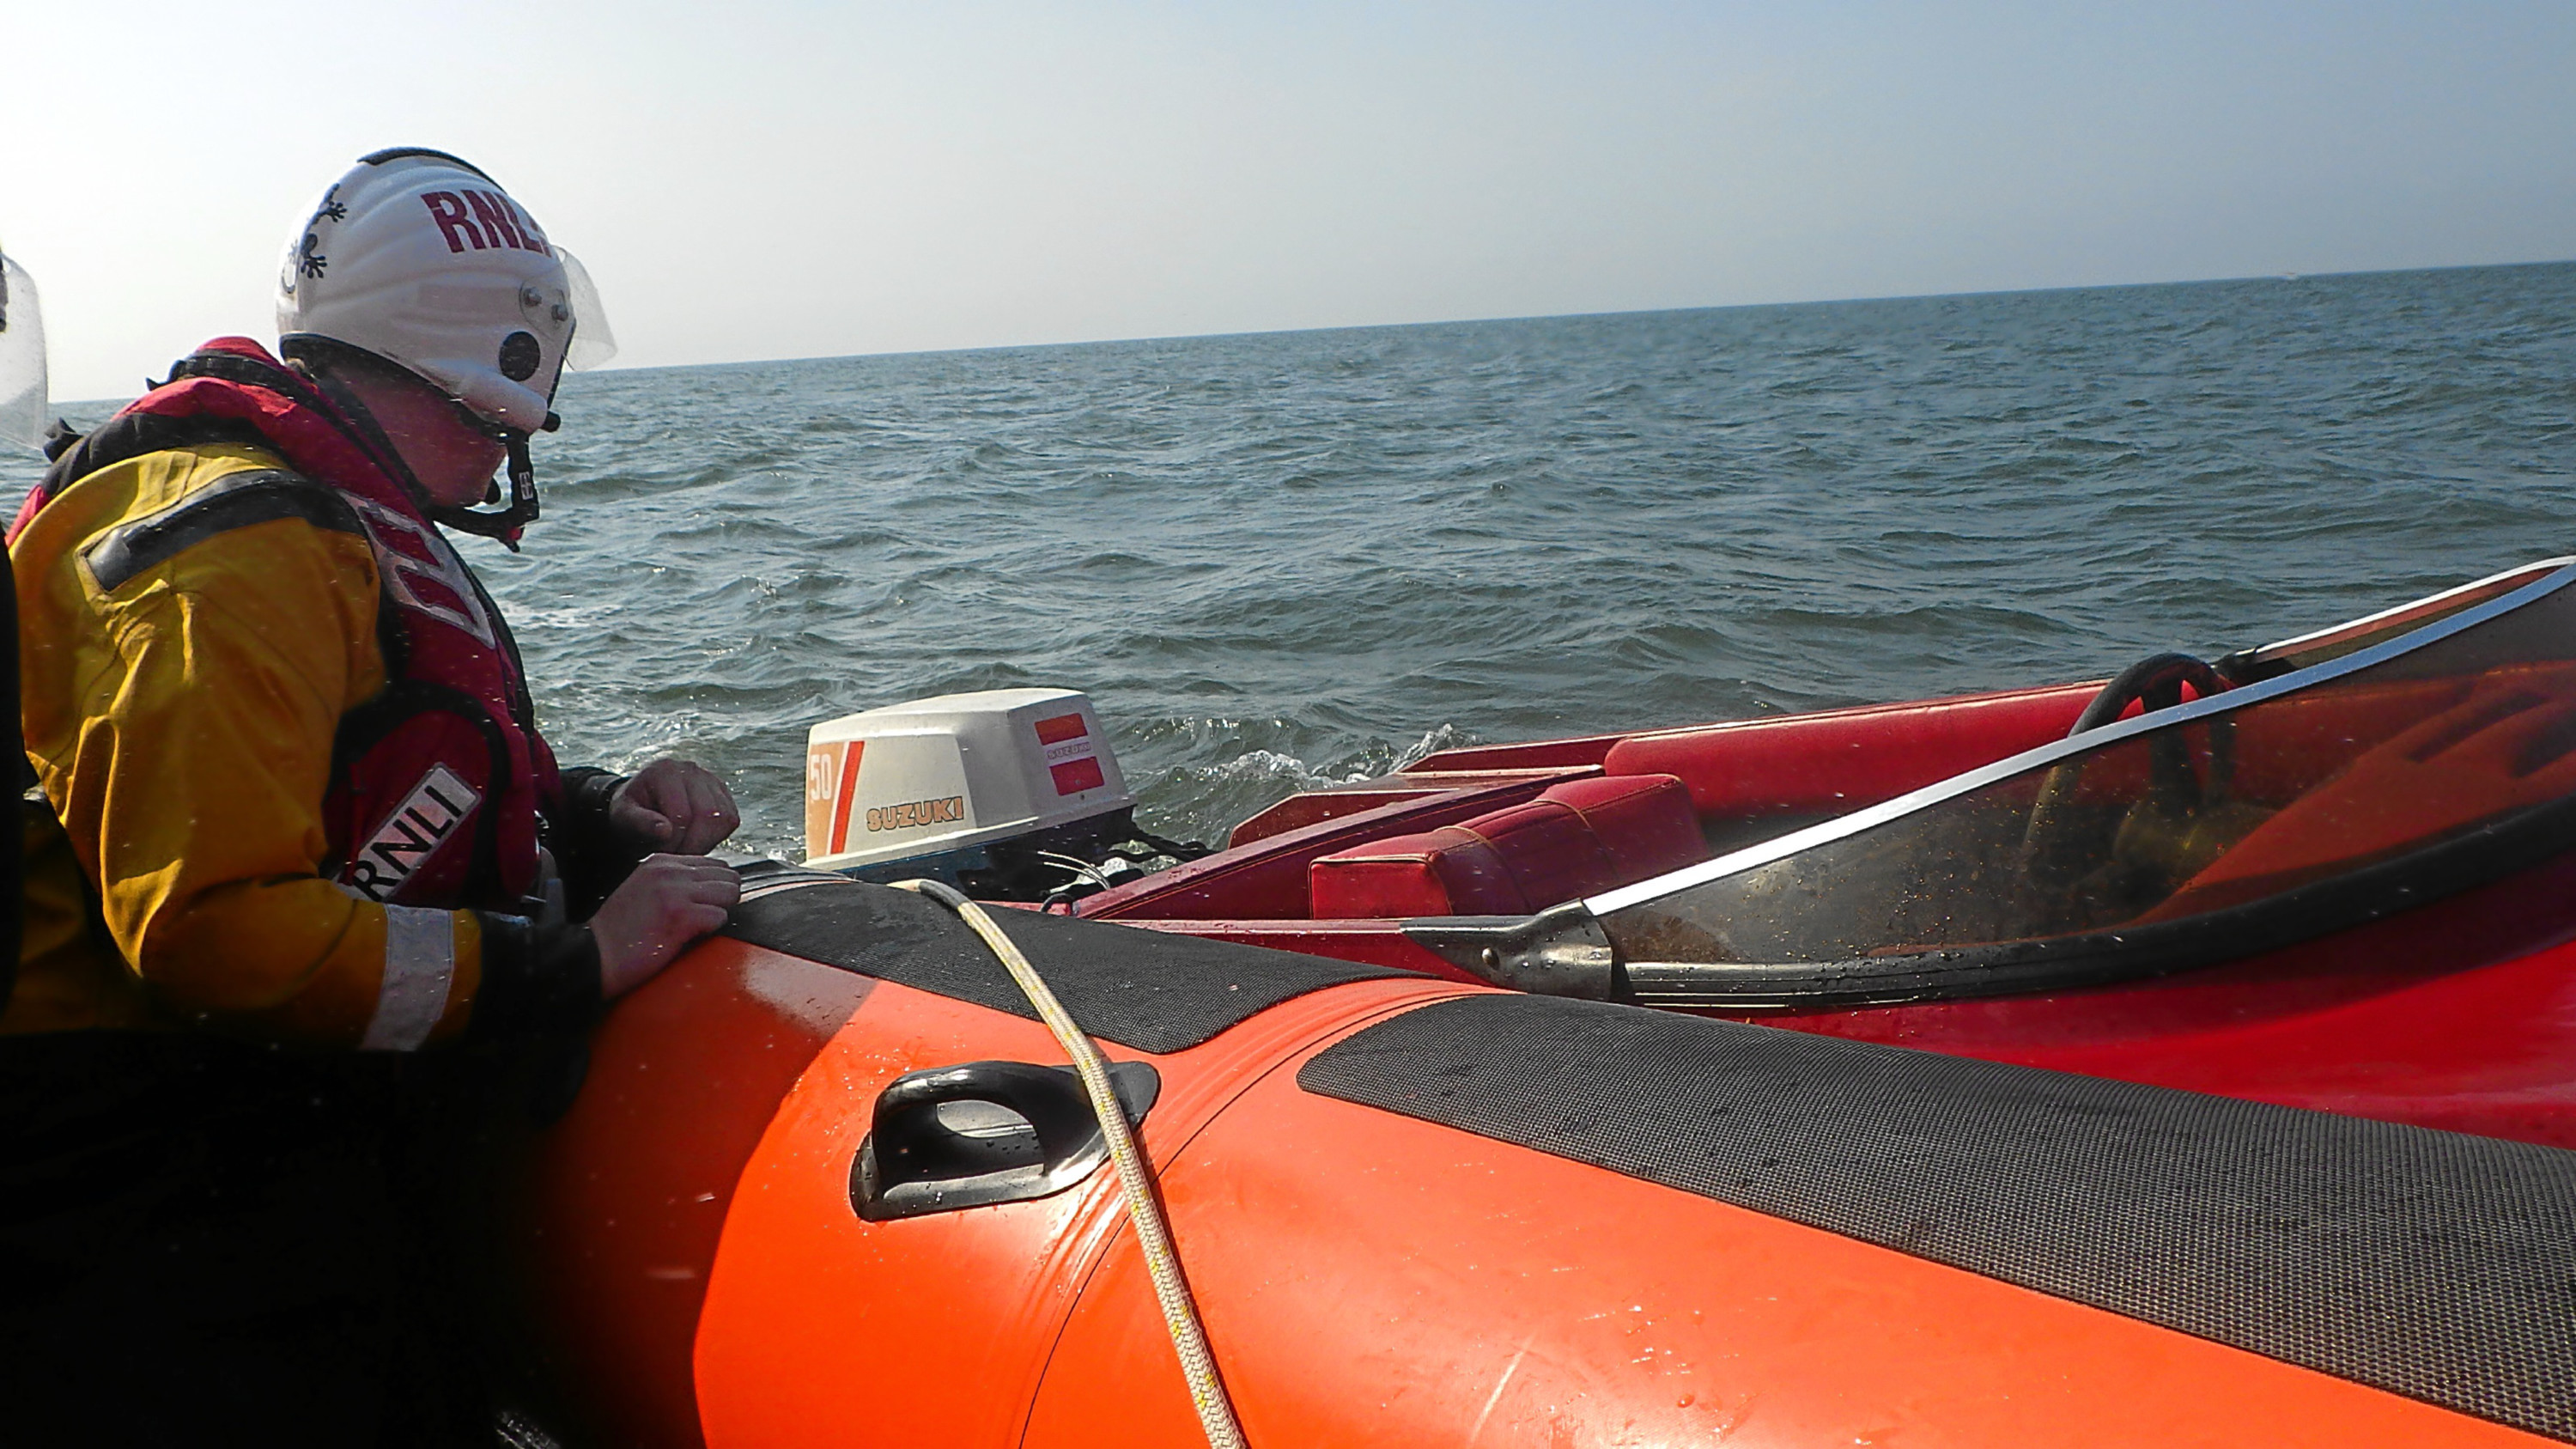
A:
[2429,604]
[2562,573]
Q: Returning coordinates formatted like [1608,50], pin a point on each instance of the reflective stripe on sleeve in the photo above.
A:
[420,963]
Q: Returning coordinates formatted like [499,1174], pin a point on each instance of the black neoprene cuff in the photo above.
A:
[594,858]
[586,791]
[536,979]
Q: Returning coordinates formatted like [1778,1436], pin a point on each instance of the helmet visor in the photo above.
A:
[22,358]
[592,342]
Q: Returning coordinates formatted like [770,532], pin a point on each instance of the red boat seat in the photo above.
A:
[1445,872]
[1645,821]
[1578,839]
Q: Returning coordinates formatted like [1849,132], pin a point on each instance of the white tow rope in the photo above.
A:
[1153,1235]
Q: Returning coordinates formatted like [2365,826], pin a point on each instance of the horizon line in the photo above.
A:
[1614,312]
[1531,317]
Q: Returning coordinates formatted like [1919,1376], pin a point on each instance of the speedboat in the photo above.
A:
[2208,956]
[2330,872]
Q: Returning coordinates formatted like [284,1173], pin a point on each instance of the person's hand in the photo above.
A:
[670,901]
[674,805]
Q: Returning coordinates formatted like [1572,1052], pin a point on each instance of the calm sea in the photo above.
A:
[1282,559]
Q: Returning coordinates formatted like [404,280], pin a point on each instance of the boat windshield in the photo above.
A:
[2334,642]
[2401,757]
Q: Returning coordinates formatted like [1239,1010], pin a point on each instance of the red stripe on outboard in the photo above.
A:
[849,792]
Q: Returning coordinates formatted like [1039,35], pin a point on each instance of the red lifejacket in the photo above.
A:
[438,781]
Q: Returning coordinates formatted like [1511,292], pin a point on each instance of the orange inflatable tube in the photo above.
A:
[1413,1212]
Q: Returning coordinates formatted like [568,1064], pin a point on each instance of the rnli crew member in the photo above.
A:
[296,814]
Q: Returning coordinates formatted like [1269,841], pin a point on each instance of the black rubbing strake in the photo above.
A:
[236,500]
[1149,990]
[2431,1264]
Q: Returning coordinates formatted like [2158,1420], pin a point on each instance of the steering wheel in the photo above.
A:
[2153,683]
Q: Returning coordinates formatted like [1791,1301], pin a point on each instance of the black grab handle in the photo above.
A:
[985,1132]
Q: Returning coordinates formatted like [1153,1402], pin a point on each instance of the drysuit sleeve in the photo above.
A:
[195,784]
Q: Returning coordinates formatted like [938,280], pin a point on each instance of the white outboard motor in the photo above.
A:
[1007,793]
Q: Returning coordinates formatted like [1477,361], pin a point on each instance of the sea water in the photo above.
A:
[1285,559]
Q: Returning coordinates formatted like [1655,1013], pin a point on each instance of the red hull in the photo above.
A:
[2460,1014]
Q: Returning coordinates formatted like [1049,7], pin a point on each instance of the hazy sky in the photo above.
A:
[755,180]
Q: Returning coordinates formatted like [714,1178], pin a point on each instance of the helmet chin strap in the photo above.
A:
[503,524]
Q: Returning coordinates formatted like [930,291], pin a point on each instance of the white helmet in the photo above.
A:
[22,358]
[423,260]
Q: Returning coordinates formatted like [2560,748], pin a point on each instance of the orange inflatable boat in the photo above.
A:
[829,1184]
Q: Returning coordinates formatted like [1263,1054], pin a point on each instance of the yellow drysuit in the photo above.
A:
[181,724]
